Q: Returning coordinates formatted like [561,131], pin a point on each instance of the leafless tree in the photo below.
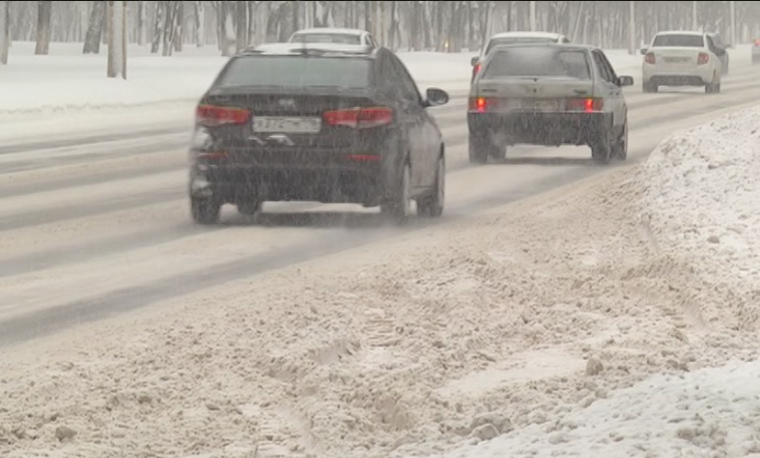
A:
[44,10]
[5,35]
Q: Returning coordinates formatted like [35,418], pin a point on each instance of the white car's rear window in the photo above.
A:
[339,38]
[680,41]
[537,61]
[517,40]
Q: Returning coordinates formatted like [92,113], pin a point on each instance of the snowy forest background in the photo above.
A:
[445,26]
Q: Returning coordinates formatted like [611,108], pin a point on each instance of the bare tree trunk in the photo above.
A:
[117,38]
[414,29]
[179,25]
[95,28]
[5,36]
[44,9]
[367,15]
[110,67]
[4,31]
[221,24]
[158,26]
[229,33]
[200,22]
[394,27]
[141,38]
[106,23]
[252,7]
[241,24]
[170,27]
[296,12]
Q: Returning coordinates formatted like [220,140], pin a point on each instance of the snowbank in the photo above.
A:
[702,200]
[710,412]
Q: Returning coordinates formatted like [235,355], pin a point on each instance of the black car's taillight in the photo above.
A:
[359,118]
[213,116]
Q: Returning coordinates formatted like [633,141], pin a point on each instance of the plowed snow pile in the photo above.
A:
[542,323]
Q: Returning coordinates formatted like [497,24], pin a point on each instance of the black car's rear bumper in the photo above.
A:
[549,129]
[319,175]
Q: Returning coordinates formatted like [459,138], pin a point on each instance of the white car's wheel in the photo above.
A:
[713,87]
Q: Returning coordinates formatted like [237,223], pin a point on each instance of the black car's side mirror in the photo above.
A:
[474,61]
[436,97]
[644,51]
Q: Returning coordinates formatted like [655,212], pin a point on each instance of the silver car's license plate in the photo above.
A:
[539,105]
[287,124]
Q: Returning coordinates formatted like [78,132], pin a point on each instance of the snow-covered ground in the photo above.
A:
[67,91]
[698,197]
[589,321]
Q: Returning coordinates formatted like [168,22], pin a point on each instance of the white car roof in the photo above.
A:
[320,30]
[294,48]
[527,35]
[680,32]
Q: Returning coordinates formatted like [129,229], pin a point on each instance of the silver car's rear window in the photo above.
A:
[681,41]
[537,61]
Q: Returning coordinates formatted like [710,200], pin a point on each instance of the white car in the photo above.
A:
[507,38]
[334,35]
[682,59]
[550,95]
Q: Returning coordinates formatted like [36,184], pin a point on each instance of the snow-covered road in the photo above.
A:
[95,229]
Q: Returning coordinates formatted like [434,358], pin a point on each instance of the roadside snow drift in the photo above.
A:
[702,203]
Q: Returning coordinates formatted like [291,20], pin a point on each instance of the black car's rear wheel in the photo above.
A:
[205,210]
[249,208]
[431,206]
[398,207]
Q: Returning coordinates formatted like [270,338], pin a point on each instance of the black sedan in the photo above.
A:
[316,122]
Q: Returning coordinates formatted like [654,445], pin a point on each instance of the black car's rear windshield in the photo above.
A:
[538,61]
[674,40]
[297,71]
[340,38]
[517,40]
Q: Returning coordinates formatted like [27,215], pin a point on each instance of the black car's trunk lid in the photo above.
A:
[300,117]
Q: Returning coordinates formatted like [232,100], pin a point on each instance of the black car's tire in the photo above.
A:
[649,88]
[249,208]
[431,206]
[620,148]
[480,149]
[205,210]
[398,205]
